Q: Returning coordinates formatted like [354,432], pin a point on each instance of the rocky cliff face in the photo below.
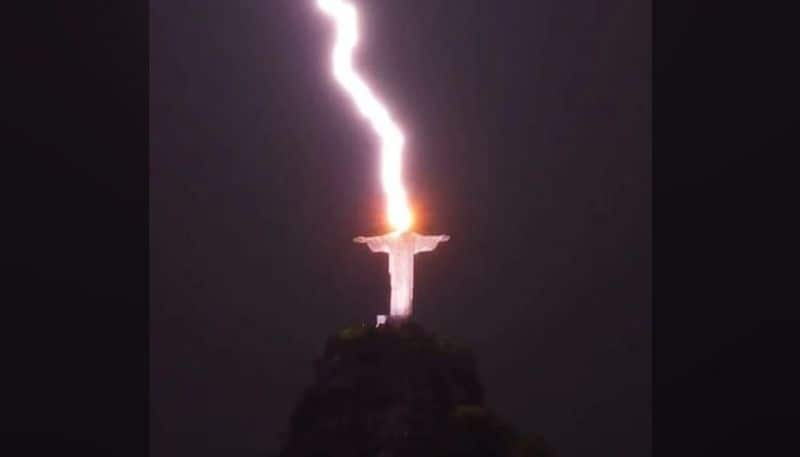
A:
[398,391]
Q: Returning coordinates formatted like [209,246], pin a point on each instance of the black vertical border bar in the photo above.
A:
[74,332]
[725,380]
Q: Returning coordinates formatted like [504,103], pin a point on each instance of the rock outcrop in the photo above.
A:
[398,391]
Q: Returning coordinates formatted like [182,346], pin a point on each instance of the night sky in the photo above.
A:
[528,132]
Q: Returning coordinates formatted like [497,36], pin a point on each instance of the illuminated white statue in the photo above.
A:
[401,248]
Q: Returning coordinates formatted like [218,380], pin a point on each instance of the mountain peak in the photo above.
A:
[398,391]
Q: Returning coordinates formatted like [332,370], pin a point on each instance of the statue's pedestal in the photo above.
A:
[384,319]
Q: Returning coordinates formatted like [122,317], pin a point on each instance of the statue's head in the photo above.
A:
[401,234]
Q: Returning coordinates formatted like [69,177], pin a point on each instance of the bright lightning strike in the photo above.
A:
[346,19]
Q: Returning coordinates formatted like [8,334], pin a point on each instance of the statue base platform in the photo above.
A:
[383,319]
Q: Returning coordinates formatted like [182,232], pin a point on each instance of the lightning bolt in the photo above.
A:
[345,17]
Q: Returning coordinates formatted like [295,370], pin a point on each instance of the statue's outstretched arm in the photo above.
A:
[375,243]
[429,243]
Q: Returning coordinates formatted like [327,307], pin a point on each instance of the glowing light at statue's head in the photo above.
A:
[398,212]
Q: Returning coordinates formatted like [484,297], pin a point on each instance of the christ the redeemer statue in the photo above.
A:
[401,248]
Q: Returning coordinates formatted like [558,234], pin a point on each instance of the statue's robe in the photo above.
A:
[401,249]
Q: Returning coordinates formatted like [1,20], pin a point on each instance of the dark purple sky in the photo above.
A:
[528,140]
